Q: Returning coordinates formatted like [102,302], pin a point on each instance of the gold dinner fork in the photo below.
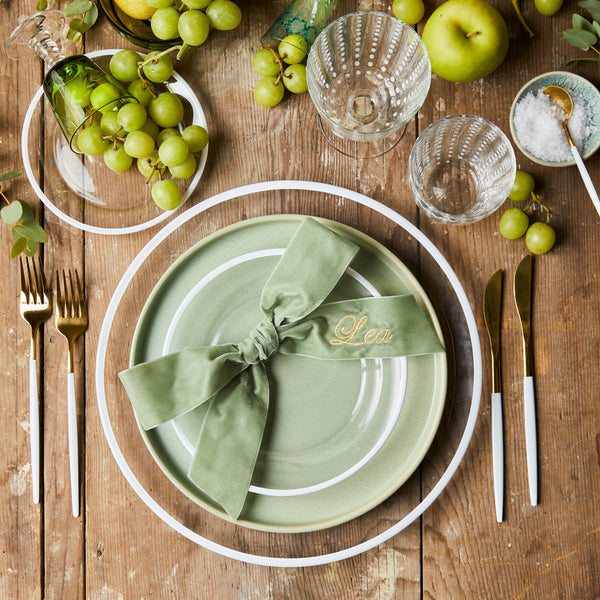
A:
[36,308]
[71,321]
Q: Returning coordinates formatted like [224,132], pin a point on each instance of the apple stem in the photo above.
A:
[473,34]
[521,18]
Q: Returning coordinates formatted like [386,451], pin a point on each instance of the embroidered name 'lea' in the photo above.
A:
[351,331]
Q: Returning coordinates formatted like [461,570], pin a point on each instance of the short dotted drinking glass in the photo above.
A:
[461,169]
[368,74]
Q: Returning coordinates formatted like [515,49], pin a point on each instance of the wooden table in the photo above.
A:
[118,549]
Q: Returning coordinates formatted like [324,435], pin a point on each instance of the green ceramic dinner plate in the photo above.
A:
[342,436]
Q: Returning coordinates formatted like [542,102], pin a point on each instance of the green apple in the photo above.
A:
[466,40]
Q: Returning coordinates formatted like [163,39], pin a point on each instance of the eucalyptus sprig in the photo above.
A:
[26,233]
[85,14]
[585,33]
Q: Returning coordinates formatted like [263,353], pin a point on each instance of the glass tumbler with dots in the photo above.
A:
[368,74]
[461,169]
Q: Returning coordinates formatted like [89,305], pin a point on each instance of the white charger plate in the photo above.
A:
[472,377]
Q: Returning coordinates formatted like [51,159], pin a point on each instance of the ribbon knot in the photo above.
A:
[229,381]
[262,343]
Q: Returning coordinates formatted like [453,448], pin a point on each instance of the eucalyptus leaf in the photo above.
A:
[596,27]
[32,231]
[42,5]
[582,59]
[30,248]
[9,175]
[592,6]
[27,211]
[77,7]
[580,22]
[19,246]
[91,15]
[75,25]
[580,38]
[12,213]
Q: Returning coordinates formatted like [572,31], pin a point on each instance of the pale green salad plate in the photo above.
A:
[342,436]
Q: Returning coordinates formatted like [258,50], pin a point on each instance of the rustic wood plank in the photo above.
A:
[21,530]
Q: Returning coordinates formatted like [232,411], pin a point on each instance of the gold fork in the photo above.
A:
[36,308]
[71,321]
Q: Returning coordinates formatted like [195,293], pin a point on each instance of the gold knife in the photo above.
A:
[492,305]
[523,278]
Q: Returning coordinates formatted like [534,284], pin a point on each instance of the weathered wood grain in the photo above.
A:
[118,549]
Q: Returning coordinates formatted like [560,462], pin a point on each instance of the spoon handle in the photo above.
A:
[586,178]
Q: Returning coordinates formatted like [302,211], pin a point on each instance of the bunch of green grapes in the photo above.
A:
[192,20]
[146,130]
[514,222]
[281,69]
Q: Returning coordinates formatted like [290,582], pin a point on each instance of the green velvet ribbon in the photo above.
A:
[231,378]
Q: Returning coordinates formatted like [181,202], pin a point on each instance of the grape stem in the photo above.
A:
[521,18]
[154,59]
[536,201]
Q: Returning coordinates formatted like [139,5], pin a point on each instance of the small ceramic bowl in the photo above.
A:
[572,83]
[136,31]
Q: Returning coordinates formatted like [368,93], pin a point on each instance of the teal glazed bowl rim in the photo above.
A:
[571,82]
[143,38]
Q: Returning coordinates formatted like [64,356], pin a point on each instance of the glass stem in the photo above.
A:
[46,48]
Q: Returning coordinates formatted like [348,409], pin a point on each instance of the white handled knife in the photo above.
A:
[492,305]
[523,277]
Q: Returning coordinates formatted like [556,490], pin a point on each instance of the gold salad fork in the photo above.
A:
[36,308]
[71,321]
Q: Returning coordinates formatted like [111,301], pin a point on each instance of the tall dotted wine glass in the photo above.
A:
[368,74]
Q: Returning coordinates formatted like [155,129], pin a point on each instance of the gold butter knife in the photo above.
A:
[492,305]
[523,277]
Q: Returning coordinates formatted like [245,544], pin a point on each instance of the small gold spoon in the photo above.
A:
[564,100]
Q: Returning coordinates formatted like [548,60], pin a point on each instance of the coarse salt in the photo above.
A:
[538,123]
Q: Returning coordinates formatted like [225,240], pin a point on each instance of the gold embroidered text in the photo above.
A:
[353,332]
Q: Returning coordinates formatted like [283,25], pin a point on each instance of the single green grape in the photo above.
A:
[540,238]
[117,159]
[138,144]
[147,165]
[548,7]
[78,92]
[265,63]
[142,91]
[194,27]
[186,169]
[151,128]
[166,133]
[269,91]
[294,79]
[197,4]
[166,110]
[158,69]
[159,3]
[409,11]
[513,223]
[196,137]
[165,23]
[166,194]
[124,65]
[522,187]
[132,116]
[90,142]
[173,151]
[292,49]
[224,15]
[109,123]
[104,97]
